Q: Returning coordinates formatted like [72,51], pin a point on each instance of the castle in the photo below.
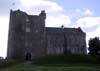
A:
[28,35]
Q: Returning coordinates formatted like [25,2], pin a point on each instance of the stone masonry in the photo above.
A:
[28,35]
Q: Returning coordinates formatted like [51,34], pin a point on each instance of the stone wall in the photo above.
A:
[28,35]
[54,44]
[69,40]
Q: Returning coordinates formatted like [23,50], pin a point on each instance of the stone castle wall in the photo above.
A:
[67,39]
[28,34]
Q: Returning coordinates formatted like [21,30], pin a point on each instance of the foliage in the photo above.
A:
[94,46]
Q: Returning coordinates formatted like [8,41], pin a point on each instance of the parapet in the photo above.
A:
[42,15]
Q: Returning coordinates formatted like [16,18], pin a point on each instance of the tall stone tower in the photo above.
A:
[26,35]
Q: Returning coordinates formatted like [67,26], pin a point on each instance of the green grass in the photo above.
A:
[56,63]
[21,67]
[7,63]
[66,59]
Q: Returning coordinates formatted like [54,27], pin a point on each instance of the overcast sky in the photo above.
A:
[70,13]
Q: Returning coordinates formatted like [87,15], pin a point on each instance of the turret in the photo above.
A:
[43,14]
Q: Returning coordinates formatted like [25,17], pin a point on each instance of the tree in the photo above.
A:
[94,46]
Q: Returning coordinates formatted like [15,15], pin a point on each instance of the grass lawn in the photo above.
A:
[67,67]
[56,63]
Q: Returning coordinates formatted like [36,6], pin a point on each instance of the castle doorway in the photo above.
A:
[28,56]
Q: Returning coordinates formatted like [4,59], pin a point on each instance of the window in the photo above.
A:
[26,44]
[36,31]
[27,29]
[27,20]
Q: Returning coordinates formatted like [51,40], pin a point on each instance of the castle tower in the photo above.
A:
[26,35]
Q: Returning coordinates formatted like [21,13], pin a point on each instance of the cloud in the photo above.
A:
[55,13]
[3,35]
[79,12]
[57,21]
[95,33]
[88,22]
[49,6]
[87,12]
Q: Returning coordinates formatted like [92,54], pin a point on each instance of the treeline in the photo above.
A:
[94,46]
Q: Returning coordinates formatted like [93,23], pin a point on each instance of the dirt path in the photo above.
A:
[28,63]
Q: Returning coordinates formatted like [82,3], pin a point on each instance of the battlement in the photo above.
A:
[18,12]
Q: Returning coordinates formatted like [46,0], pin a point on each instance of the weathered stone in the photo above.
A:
[28,34]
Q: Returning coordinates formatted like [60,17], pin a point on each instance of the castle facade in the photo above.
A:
[28,35]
